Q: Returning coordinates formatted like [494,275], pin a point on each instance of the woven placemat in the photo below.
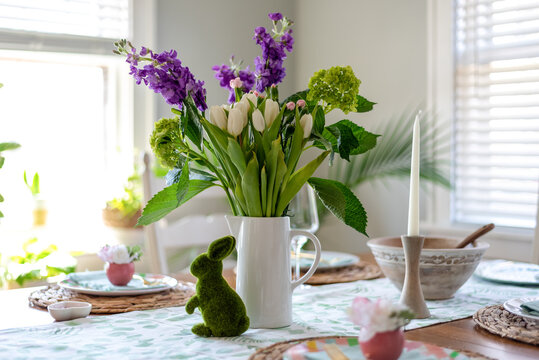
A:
[499,321]
[277,350]
[359,271]
[177,296]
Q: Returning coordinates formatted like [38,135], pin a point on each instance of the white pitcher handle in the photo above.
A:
[317,248]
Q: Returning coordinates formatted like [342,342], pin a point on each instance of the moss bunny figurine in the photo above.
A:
[221,307]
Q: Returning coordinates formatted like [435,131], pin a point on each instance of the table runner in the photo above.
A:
[166,333]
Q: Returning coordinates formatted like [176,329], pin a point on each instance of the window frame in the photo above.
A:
[505,242]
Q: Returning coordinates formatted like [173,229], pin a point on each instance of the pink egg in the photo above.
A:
[120,274]
[384,345]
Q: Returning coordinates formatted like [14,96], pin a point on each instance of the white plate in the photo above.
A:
[328,259]
[167,281]
[509,272]
[513,306]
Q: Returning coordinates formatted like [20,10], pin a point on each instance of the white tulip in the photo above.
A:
[258,120]
[244,106]
[306,123]
[271,111]
[218,116]
[235,122]
[252,97]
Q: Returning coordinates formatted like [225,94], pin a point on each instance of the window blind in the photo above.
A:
[92,18]
[496,162]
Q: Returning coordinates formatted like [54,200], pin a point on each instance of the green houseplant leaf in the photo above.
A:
[342,202]
[167,200]
[363,105]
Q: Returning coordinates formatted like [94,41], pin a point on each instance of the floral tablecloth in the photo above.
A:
[166,333]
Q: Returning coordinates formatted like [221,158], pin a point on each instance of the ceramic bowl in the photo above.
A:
[443,269]
[68,310]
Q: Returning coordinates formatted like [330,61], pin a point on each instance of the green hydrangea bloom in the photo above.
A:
[337,87]
[164,141]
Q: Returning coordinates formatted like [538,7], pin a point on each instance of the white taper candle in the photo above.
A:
[413,204]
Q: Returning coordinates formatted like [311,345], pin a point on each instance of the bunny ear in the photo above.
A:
[221,248]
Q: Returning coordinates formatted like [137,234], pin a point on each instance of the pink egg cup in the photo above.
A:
[120,274]
[386,345]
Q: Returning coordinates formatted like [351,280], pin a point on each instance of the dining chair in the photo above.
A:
[164,236]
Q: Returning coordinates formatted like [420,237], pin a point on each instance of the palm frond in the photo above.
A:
[392,155]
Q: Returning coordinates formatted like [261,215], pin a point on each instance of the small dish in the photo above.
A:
[513,306]
[68,310]
[328,259]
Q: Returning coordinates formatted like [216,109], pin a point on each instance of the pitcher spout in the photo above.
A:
[234,225]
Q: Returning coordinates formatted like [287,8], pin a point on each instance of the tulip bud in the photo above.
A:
[306,123]
[290,105]
[235,122]
[244,106]
[301,103]
[236,83]
[251,97]
[271,111]
[218,116]
[258,120]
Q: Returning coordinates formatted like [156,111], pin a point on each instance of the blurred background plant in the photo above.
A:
[392,155]
[35,263]
[40,206]
[124,211]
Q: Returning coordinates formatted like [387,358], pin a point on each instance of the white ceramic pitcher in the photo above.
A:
[263,279]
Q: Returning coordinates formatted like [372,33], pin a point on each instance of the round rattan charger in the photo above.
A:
[177,296]
[277,350]
[497,320]
[359,271]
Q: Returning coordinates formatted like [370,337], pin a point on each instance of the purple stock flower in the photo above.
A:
[166,75]
[225,73]
[275,16]
[269,68]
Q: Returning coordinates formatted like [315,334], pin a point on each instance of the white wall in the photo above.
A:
[385,43]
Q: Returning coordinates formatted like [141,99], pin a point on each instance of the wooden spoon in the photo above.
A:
[471,238]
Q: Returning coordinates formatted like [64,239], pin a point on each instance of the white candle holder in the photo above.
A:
[412,294]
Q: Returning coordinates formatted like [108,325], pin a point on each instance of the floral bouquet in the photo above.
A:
[381,321]
[119,262]
[251,147]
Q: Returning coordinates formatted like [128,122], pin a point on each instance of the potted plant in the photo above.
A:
[119,262]
[40,206]
[251,148]
[124,211]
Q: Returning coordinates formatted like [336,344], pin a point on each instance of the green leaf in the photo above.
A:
[250,185]
[35,184]
[1,214]
[2,159]
[365,139]
[279,175]
[297,180]
[319,120]
[8,146]
[263,187]
[176,111]
[346,141]
[1,198]
[236,155]
[183,182]
[190,123]
[166,200]
[342,202]
[363,105]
